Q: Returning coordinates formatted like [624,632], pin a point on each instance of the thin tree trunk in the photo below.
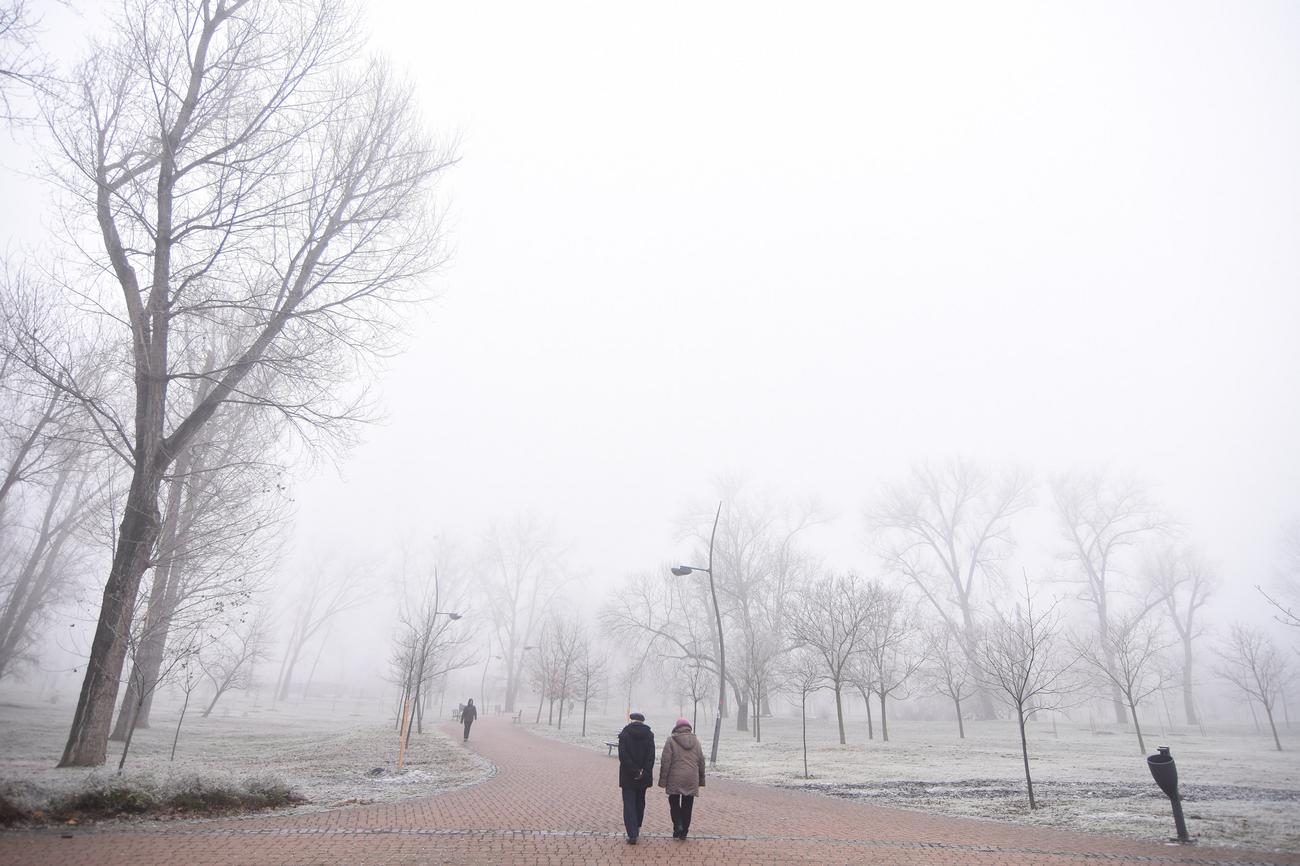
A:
[1269,712]
[1133,711]
[866,700]
[961,728]
[803,713]
[839,713]
[126,745]
[221,690]
[584,716]
[884,723]
[176,739]
[1024,753]
[1189,704]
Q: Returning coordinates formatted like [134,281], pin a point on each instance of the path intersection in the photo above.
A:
[556,804]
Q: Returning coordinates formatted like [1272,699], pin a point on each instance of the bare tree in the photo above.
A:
[1020,660]
[35,570]
[1100,518]
[1127,659]
[1184,582]
[228,664]
[892,656]
[430,642]
[261,199]
[759,565]
[522,582]
[570,638]
[804,673]
[949,671]
[591,668]
[947,529]
[325,595]
[692,680]
[833,618]
[1252,663]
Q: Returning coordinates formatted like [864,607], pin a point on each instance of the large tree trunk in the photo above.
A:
[742,709]
[87,744]
[164,595]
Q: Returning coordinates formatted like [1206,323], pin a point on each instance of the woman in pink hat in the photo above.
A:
[681,774]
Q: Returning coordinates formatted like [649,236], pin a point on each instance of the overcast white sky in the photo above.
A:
[810,244]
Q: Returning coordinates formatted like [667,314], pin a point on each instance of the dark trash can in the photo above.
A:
[1165,772]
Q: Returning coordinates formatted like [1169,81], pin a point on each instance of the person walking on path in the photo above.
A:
[636,765]
[681,775]
[467,715]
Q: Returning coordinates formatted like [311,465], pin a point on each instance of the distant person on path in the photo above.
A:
[636,766]
[681,774]
[467,715]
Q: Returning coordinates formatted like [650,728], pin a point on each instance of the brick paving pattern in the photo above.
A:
[552,803]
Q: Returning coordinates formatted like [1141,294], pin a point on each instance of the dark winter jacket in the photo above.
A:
[469,714]
[681,768]
[636,756]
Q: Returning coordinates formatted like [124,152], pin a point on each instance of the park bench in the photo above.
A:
[518,717]
[610,747]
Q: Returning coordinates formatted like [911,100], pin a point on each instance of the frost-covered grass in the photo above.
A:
[328,754]
[1237,789]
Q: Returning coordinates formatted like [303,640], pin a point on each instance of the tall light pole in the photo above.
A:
[682,571]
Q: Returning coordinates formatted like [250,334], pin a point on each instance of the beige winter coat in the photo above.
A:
[681,767]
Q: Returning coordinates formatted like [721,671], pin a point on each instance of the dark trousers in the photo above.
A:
[680,806]
[468,722]
[633,810]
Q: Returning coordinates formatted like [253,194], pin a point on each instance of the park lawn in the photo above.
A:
[1238,790]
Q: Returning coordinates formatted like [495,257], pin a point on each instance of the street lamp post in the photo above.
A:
[682,571]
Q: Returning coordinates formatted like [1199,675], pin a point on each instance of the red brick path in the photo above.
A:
[551,803]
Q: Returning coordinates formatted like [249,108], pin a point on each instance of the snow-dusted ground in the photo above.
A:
[1237,789]
[331,754]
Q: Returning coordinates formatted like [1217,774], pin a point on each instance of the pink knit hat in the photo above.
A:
[682,722]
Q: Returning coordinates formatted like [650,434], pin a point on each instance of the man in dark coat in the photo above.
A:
[468,715]
[636,764]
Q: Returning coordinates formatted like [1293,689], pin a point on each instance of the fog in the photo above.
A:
[694,250]
[810,250]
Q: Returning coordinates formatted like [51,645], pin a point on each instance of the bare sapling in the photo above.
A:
[1022,662]
[1252,663]
[1127,659]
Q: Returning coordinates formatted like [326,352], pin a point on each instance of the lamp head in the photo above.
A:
[453,616]
[682,570]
